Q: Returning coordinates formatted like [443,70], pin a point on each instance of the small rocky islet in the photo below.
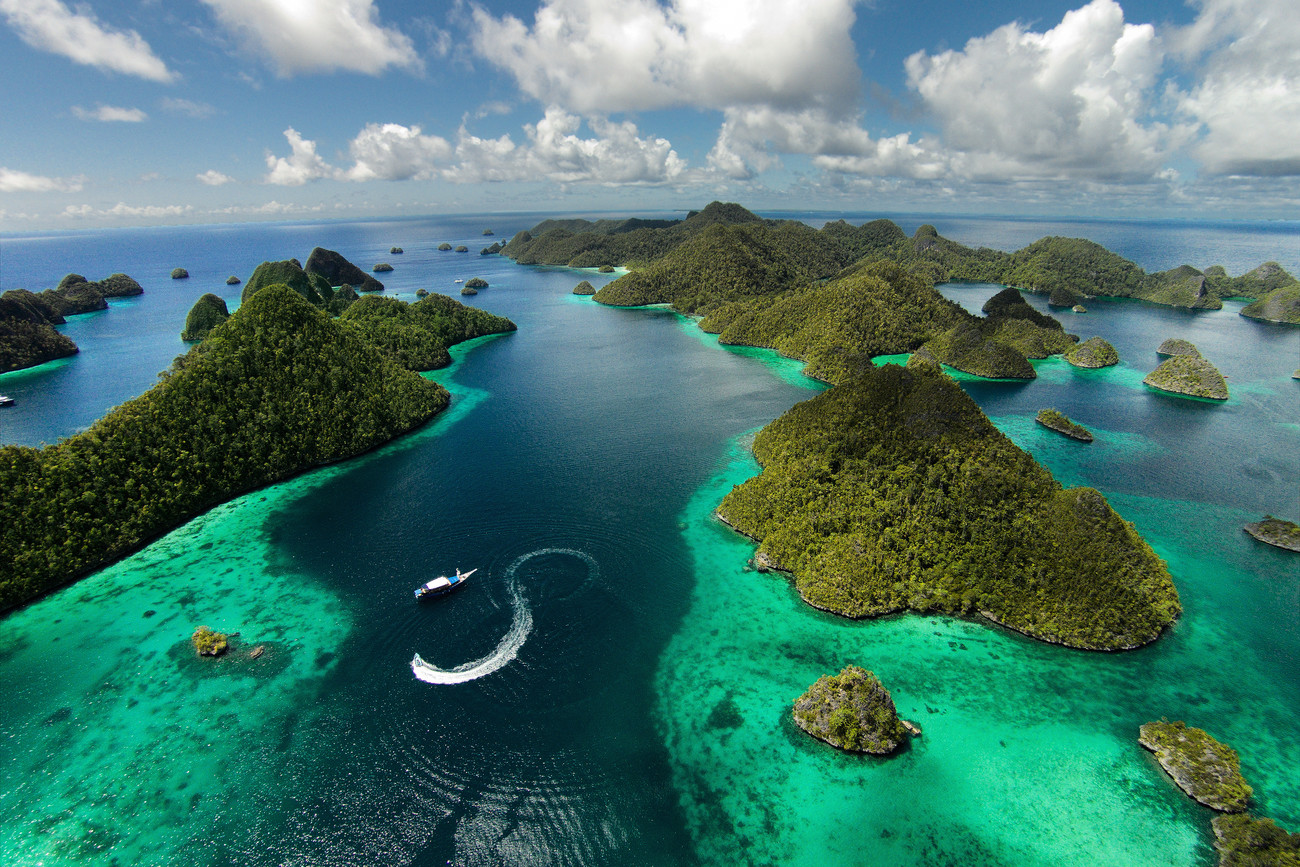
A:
[1185,372]
[1276,532]
[1177,346]
[1093,353]
[584,288]
[852,711]
[210,643]
[1244,841]
[1055,420]
[1207,770]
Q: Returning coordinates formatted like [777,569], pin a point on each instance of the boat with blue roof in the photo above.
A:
[442,585]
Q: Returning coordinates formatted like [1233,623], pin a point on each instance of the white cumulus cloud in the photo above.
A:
[601,56]
[393,152]
[14,181]
[1247,98]
[751,139]
[214,178]
[1070,102]
[110,114]
[50,25]
[302,165]
[553,149]
[304,36]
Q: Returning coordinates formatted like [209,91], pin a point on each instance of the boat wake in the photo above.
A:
[520,625]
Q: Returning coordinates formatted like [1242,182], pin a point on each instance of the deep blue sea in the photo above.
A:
[613,686]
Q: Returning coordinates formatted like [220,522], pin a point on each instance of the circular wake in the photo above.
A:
[520,625]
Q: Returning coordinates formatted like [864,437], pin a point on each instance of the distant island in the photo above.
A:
[891,491]
[1067,270]
[27,319]
[277,388]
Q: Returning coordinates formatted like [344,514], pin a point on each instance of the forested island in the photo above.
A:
[892,491]
[852,711]
[27,319]
[1067,270]
[277,388]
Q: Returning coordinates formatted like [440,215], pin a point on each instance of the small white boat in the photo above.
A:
[6,400]
[442,585]
[458,280]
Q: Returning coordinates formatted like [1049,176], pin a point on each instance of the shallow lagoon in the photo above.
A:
[644,717]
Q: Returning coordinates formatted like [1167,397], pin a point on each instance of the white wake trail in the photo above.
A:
[520,625]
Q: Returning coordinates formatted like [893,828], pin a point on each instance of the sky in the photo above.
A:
[153,112]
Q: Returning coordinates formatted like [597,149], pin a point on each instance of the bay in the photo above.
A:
[643,718]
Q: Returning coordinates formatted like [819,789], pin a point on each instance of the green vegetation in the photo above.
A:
[1189,375]
[892,491]
[476,283]
[1183,286]
[468,290]
[287,272]
[852,711]
[837,327]
[606,269]
[394,251]
[1093,353]
[180,274]
[276,389]
[584,288]
[209,643]
[1244,841]
[491,250]
[417,335]
[1280,305]
[1201,766]
[968,348]
[1178,346]
[461,248]
[1074,265]
[206,314]
[335,270]
[27,333]
[119,286]
[1255,283]
[232,280]
[75,296]
[1276,532]
[444,246]
[1058,421]
[381,268]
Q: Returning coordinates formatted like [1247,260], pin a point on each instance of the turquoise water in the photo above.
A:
[613,686]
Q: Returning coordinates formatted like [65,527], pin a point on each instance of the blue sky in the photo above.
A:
[142,112]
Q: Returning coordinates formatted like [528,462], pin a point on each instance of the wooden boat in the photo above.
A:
[442,585]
